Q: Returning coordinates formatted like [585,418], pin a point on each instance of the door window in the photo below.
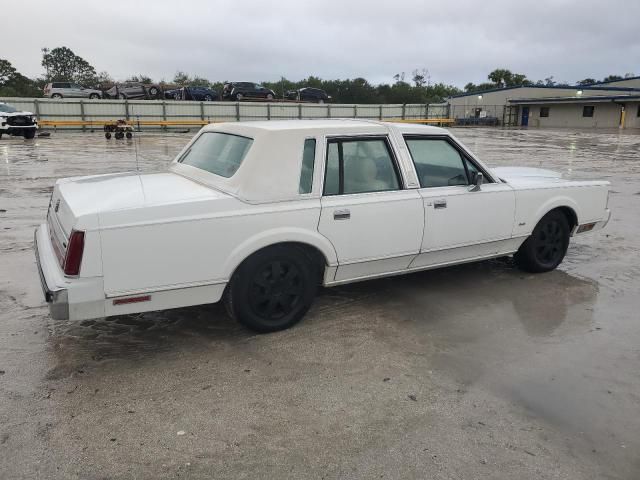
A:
[308,158]
[359,166]
[440,164]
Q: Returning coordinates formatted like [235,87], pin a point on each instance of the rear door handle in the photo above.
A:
[341,214]
[439,204]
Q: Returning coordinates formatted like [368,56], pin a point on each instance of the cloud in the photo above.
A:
[457,41]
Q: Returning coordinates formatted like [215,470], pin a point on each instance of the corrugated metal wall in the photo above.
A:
[176,111]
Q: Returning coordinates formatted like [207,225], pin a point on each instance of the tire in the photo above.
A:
[208,98]
[94,96]
[238,97]
[107,135]
[269,96]
[272,290]
[129,135]
[29,134]
[56,95]
[119,135]
[153,91]
[320,100]
[545,249]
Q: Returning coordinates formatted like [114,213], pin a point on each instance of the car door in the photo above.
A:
[462,221]
[76,90]
[374,223]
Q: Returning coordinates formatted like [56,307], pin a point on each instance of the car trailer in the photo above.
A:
[119,129]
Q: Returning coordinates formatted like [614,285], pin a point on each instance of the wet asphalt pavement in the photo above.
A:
[470,372]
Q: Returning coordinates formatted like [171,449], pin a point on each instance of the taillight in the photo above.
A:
[74,253]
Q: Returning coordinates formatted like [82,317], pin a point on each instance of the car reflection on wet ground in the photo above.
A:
[474,371]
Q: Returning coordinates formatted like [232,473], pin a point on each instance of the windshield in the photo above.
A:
[219,153]
[7,108]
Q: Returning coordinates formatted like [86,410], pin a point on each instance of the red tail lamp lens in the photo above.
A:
[74,253]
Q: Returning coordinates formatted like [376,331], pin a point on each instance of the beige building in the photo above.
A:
[602,105]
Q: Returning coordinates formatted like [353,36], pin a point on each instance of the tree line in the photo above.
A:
[62,64]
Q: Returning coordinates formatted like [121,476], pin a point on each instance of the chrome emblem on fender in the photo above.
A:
[55,209]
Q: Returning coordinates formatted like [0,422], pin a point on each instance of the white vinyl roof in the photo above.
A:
[271,169]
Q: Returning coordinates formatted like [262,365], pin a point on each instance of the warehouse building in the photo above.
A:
[603,105]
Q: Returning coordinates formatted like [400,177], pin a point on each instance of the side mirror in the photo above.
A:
[478,179]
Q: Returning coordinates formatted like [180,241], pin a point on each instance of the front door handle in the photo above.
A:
[341,214]
[440,204]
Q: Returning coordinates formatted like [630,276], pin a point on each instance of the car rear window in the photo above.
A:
[218,153]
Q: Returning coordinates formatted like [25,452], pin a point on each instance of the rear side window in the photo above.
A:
[308,159]
[359,166]
[218,153]
[440,164]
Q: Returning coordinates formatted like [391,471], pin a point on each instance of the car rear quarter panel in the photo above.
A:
[588,201]
[205,247]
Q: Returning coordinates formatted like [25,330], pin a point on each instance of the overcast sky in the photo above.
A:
[457,41]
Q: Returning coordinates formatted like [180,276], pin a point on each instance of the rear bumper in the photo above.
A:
[56,296]
[68,298]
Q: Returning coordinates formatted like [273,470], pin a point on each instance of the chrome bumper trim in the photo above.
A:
[58,299]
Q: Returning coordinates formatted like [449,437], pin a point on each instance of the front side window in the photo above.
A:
[308,159]
[587,111]
[440,164]
[218,153]
[359,166]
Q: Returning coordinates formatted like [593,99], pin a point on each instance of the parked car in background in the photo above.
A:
[201,94]
[134,90]
[70,90]
[244,90]
[259,214]
[16,123]
[309,94]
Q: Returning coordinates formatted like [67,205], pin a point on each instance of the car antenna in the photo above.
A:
[135,147]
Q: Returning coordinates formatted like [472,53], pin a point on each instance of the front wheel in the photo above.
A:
[269,96]
[56,96]
[208,98]
[29,134]
[94,96]
[153,91]
[239,96]
[545,249]
[272,290]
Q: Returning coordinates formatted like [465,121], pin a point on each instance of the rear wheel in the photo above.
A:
[545,249]
[94,96]
[208,98]
[129,135]
[269,96]
[239,96]
[107,135]
[153,91]
[56,95]
[273,289]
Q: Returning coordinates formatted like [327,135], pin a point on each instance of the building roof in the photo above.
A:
[564,87]
[591,99]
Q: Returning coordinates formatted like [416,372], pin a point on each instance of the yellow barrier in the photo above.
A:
[200,123]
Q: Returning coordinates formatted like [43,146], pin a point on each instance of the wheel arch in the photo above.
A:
[566,205]
[319,249]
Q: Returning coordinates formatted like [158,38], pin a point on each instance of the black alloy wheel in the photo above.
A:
[545,249]
[272,289]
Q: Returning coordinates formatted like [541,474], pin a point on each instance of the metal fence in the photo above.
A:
[164,113]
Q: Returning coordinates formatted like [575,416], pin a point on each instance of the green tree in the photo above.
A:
[140,79]
[587,81]
[612,78]
[7,72]
[61,64]
[181,78]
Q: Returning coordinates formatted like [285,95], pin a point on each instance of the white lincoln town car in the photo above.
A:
[260,214]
